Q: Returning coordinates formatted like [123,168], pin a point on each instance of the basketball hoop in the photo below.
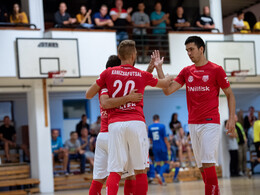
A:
[57,76]
[240,75]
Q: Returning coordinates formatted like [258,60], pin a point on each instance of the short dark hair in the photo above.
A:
[6,117]
[72,132]
[197,41]
[113,61]
[156,117]
[83,115]
[239,12]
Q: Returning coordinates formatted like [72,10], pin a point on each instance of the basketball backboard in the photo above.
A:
[37,57]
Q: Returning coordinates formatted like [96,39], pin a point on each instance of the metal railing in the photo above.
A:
[6,24]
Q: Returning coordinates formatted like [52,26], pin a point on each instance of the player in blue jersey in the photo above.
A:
[159,140]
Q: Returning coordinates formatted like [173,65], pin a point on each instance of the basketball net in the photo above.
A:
[240,75]
[57,76]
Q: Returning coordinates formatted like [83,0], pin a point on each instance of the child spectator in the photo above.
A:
[58,152]
[18,16]
[75,151]
[101,19]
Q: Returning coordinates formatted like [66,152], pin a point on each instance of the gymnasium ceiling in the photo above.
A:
[232,6]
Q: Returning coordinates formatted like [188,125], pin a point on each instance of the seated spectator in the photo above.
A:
[95,127]
[205,21]
[81,124]
[8,139]
[257,26]
[121,18]
[18,16]
[238,22]
[141,19]
[180,20]
[84,17]
[233,151]
[87,145]
[101,19]
[62,18]
[3,14]
[75,151]
[183,143]
[58,152]
[159,19]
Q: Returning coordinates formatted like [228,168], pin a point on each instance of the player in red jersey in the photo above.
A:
[203,81]
[101,153]
[128,140]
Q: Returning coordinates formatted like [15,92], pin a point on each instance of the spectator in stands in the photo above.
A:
[62,18]
[141,20]
[87,145]
[257,26]
[238,22]
[58,152]
[95,127]
[3,14]
[233,151]
[159,19]
[8,139]
[205,21]
[121,18]
[84,17]
[249,119]
[81,124]
[257,140]
[175,125]
[18,16]
[179,20]
[242,147]
[240,117]
[75,151]
[183,142]
[101,19]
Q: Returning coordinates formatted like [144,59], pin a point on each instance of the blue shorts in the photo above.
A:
[160,155]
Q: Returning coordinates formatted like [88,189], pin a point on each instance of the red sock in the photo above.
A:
[203,176]
[130,186]
[95,188]
[112,183]
[211,186]
[141,184]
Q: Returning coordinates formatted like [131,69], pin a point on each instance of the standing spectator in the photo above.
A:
[180,20]
[242,147]
[62,18]
[205,21]
[175,125]
[84,18]
[87,144]
[240,117]
[101,19]
[141,20]
[238,22]
[58,152]
[159,19]
[95,127]
[3,14]
[257,139]
[249,119]
[159,140]
[75,151]
[81,124]
[8,139]
[18,16]
[233,151]
[121,18]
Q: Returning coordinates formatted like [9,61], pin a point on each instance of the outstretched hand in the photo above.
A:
[158,62]
[135,97]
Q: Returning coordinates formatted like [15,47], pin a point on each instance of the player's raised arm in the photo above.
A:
[230,126]
[92,91]
[108,103]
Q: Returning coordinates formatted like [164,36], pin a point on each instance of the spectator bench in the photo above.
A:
[17,176]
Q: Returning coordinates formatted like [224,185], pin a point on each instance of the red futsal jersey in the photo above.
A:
[120,81]
[202,89]
[103,112]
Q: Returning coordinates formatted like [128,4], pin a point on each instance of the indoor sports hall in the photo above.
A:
[52,51]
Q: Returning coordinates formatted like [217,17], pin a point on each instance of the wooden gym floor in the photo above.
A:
[235,186]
